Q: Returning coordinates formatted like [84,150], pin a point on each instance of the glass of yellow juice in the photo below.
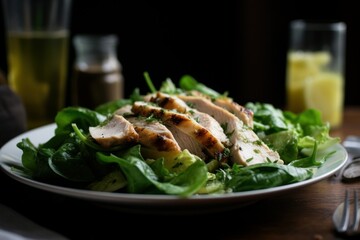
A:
[315,69]
[37,53]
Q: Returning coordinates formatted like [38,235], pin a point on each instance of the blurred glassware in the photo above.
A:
[315,68]
[97,75]
[37,50]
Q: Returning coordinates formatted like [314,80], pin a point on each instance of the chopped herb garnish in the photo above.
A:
[258,142]
[151,118]
[224,126]
[190,104]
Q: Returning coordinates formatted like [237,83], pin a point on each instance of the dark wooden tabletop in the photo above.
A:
[304,213]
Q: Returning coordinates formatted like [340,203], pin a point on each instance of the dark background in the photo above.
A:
[234,46]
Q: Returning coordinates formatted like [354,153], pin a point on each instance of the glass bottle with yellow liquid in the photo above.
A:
[315,69]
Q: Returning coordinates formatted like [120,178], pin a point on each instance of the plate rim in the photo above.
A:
[147,199]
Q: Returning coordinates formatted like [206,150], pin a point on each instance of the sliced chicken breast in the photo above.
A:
[185,124]
[246,148]
[174,103]
[241,112]
[124,111]
[183,140]
[169,102]
[187,142]
[116,131]
[244,114]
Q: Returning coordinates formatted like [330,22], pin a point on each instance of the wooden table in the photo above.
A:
[304,213]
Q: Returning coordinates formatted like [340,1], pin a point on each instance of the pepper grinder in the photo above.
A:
[98,75]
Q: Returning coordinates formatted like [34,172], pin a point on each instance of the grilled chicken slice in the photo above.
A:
[174,103]
[185,124]
[247,148]
[244,114]
[187,142]
[169,102]
[116,131]
[124,111]
[241,112]
[156,140]
[210,124]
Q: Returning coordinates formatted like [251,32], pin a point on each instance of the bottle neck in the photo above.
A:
[96,52]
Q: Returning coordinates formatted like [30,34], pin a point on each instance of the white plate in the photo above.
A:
[10,153]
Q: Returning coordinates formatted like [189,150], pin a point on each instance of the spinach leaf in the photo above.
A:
[142,179]
[292,135]
[268,118]
[189,83]
[265,175]
[110,107]
[83,117]
[285,143]
[35,160]
[138,174]
[69,162]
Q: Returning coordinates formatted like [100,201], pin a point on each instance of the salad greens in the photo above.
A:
[72,158]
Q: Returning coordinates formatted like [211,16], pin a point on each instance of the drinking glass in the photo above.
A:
[37,53]
[315,69]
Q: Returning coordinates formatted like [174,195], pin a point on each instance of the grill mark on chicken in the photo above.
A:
[201,134]
[160,142]
[169,102]
[177,119]
[183,123]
